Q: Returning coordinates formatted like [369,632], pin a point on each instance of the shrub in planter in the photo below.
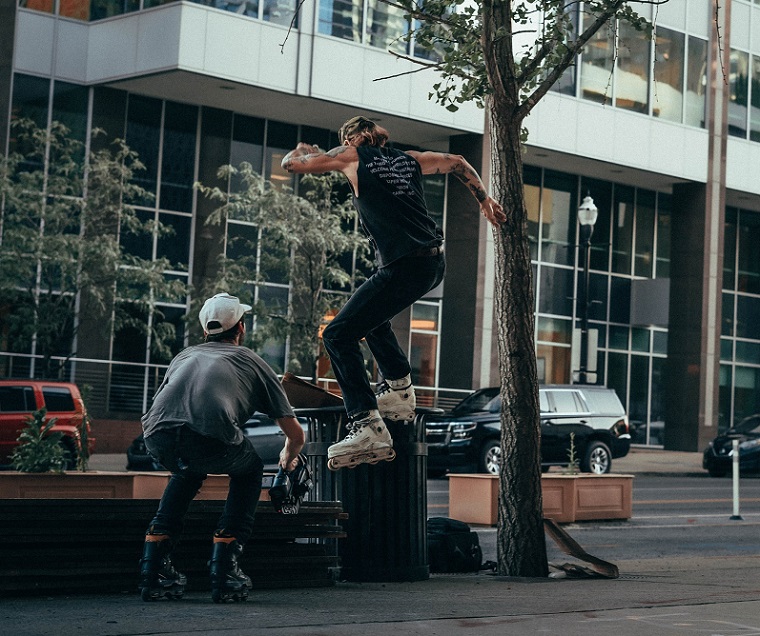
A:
[39,450]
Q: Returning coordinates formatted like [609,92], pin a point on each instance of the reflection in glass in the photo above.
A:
[738,86]
[100,9]
[639,395]
[696,82]
[640,339]
[618,337]
[280,11]
[746,392]
[668,74]
[747,352]
[341,19]
[754,112]
[747,313]
[178,158]
[727,315]
[558,199]
[553,364]
[632,78]
[622,230]
[434,187]
[663,235]
[620,299]
[597,297]
[727,349]
[554,330]
[644,250]
[597,63]
[660,341]
[143,135]
[30,100]
[386,26]
[724,399]
[617,374]
[425,317]
[748,279]
[281,139]
[45,6]
[175,246]
[657,406]
[422,358]
[729,249]
[556,295]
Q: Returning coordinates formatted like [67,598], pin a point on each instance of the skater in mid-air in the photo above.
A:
[193,429]
[388,193]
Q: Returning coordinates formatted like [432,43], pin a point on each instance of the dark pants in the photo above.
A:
[191,457]
[367,314]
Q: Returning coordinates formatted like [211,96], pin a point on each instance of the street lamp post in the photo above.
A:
[587,215]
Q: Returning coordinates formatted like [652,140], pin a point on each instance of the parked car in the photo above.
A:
[468,438]
[20,398]
[718,456]
[266,435]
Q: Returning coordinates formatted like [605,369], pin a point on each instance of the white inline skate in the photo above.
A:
[396,400]
[368,442]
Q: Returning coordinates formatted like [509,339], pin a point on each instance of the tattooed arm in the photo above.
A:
[308,159]
[445,163]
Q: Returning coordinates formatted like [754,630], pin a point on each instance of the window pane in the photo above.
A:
[754,116]
[341,19]
[566,83]
[554,330]
[597,62]
[138,244]
[663,236]
[727,318]
[176,245]
[281,139]
[425,317]
[30,99]
[422,357]
[46,6]
[667,101]
[729,249]
[738,87]
[747,352]
[107,8]
[532,190]
[174,316]
[724,399]
[643,255]
[280,11]
[617,375]
[726,349]
[746,392]
[601,191]
[660,341]
[747,322]
[632,79]
[558,199]
[386,26]
[622,230]
[620,299]
[696,82]
[619,338]
[242,240]
[143,135]
[434,187]
[597,297]
[640,339]
[178,160]
[748,278]
[70,108]
[556,291]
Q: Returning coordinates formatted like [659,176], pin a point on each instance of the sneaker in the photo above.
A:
[367,432]
[396,400]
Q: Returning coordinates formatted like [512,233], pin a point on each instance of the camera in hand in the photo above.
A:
[290,487]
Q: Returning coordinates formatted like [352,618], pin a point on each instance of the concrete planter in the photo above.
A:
[566,498]
[102,485]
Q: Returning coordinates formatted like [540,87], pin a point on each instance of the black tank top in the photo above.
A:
[391,203]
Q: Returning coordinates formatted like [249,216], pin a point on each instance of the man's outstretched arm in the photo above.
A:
[447,163]
[308,159]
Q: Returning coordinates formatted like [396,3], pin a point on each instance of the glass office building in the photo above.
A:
[674,282]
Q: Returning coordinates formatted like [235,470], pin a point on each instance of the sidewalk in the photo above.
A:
[698,594]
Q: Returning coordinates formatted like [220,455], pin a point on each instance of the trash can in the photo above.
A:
[386,502]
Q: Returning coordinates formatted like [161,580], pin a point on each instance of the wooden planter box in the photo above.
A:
[566,498]
[103,485]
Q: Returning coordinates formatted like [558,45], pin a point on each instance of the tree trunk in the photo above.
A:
[521,546]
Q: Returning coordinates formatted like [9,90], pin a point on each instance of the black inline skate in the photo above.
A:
[158,578]
[289,488]
[228,581]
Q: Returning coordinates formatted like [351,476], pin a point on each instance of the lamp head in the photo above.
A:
[587,212]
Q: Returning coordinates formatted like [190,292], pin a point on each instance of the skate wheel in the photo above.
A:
[146,595]
[391,456]
[332,464]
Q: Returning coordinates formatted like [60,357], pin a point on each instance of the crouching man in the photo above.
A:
[193,429]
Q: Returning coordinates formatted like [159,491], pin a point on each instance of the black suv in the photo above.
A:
[467,438]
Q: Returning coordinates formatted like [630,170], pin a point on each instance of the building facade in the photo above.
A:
[662,133]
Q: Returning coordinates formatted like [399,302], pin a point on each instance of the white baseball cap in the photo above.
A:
[221,312]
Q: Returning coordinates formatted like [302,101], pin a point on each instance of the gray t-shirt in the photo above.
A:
[213,388]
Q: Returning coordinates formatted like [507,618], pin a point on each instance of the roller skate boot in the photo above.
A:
[368,442]
[396,400]
[158,578]
[228,581]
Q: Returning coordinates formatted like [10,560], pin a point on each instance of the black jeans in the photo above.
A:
[367,314]
[191,457]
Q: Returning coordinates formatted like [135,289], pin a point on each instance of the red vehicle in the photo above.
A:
[20,398]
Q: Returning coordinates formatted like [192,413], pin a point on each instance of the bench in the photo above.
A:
[94,545]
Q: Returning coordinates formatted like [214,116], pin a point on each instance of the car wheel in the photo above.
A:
[490,457]
[597,458]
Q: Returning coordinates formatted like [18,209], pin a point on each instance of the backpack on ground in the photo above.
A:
[452,546]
